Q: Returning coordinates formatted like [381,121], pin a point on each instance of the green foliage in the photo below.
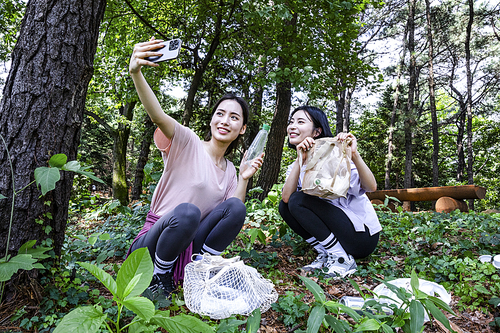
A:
[291,308]
[27,259]
[133,278]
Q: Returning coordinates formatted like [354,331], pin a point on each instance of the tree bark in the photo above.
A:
[274,149]
[143,158]
[409,113]
[121,135]
[41,113]
[432,99]
[470,156]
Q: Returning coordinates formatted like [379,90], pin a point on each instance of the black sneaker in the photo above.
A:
[164,282]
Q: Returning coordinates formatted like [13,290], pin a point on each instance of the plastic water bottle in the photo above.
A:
[258,144]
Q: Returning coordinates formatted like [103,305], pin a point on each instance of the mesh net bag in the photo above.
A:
[219,287]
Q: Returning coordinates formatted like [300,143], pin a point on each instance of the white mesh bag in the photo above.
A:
[219,287]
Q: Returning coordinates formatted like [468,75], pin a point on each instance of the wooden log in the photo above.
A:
[447,205]
[431,193]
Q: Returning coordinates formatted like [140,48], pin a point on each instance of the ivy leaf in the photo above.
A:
[47,178]
[58,160]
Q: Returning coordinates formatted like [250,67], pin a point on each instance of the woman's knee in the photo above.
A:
[188,215]
[238,210]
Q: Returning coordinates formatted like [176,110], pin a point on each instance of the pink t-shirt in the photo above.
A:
[189,174]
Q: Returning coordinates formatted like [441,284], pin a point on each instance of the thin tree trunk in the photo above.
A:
[470,157]
[432,99]
[409,116]
[392,125]
[143,158]
[41,113]
[121,135]
[340,105]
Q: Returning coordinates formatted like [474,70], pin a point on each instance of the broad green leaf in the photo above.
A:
[315,319]
[2,196]
[337,325]
[36,253]
[335,307]
[138,262]
[414,281]
[92,239]
[58,160]
[47,178]
[104,236]
[106,279]
[9,268]
[314,288]
[71,166]
[141,306]
[229,325]
[131,285]
[86,319]
[368,325]
[416,316]
[436,313]
[441,304]
[181,323]
[253,321]
[387,328]
[90,175]
[482,289]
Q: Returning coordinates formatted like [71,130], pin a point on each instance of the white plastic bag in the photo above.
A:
[219,287]
[428,287]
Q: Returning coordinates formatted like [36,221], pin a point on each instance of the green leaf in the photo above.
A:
[416,316]
[36,253]
[71,166]
[9,268]
[337,325]
[85,319]
[2,196]
[138,262]
[436,313]
[315,319]
[368,325]
[414,281]
[181,323]
[47,178]
[141,306]
[314,288]
[90,175]
[105,278]
[229,325]
[253,321]
[58,160]
[441,304]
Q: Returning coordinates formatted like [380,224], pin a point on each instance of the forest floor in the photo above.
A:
[465,321]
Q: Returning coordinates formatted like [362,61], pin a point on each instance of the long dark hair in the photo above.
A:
[318,118]
[245,111]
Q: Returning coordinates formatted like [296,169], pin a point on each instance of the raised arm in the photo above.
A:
[366,177]
[146,95]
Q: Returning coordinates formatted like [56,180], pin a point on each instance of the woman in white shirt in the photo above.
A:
[340,230]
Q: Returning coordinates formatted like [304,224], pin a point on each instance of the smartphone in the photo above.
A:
[169,49]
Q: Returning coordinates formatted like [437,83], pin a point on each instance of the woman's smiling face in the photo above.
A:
[300,126]
[227,121]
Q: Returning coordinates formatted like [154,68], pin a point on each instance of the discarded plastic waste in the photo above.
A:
[356,303]
[496,261]
[428,287]
[485,258]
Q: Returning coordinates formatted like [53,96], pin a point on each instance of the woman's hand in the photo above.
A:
[354,142]
[304,147]
[141,51]
[247,170]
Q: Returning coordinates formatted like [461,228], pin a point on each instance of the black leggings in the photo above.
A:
[174,231]
[311,216]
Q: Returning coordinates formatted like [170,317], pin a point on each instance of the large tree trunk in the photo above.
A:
[274,149]
[143,158]
[41,113]
[409,116]
[121,135]
[432,99]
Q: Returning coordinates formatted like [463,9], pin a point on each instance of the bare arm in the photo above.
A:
[146,95]
[293,178]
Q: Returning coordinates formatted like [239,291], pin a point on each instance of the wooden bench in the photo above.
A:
[448,198]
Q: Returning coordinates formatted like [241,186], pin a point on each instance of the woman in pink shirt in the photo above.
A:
[197,206]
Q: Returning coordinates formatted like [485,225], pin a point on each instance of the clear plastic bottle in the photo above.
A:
[258,144]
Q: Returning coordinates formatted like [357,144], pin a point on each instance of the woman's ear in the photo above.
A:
[243,129]
[317,132]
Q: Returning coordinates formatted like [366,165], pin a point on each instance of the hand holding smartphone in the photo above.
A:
[170,50]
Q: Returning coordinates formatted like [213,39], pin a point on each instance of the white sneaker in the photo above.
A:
[340,266]
[318,263]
